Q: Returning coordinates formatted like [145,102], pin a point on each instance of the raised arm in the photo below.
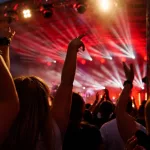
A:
[6,36]
[9,104]
[125,122]
[62,99]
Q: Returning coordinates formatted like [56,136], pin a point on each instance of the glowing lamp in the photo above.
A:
[27,13]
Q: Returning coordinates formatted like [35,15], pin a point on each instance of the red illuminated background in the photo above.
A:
[40,44]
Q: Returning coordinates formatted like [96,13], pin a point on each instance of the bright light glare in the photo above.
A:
[91,59]
[54,61]
[105,5]
[133,57]
[83,88]
[27,13]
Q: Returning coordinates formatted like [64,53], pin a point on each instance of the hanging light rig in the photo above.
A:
[22,10]
[46,10]
[80,6]
[11,14]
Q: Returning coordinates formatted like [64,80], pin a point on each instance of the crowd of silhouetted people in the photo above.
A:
[31,119]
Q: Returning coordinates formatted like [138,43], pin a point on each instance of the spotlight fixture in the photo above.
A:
[27,13]
[47,11]
[11,15]
[80,6]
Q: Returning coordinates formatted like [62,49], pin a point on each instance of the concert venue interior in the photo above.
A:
[115,33]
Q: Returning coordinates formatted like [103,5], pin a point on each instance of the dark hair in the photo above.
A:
[77,107]
[106,108]
[141,111]
[87,106]
[34,106]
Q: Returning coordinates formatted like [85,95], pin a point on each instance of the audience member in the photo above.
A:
[110,134]
[80,135]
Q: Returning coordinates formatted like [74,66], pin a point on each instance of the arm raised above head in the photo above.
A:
[125,122]
[62,99]
[9,104]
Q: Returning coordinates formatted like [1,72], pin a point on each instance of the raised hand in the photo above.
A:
[131,143]
[77,43]
[7,32]
[129,71]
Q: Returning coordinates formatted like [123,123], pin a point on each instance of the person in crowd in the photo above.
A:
[79,135]
[132,144]
[141,114]
[9,103]
[110,134]
[126,124]
[102,110]
[36,120]
[87,106]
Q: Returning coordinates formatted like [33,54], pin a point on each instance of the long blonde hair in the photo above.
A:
[34,107]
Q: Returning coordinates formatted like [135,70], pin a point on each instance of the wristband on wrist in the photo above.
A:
[128,82]
[4,41]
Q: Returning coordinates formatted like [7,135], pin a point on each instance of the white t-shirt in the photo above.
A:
[111,136]
[57,139]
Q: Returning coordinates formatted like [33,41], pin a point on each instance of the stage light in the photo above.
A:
[145,58]
[142,88]
[80,6]
[105,5]
[113,97]
[47,11]
[133,57]
[91,59]
[83,62]
[102,60]
[27,13]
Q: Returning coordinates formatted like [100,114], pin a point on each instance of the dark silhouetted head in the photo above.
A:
[77,108]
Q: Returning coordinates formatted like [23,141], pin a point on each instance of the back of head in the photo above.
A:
[77,108]
[87,106]
[106,108]
[34,105]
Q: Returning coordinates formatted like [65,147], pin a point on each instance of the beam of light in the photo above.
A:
[37,48]
[118,37]
[96,39]
[138,78]
[99,53]
[124,30]
[85,55]
[125,53]
[64,25]
[60,32]
[77,84]
[88,80]
[114,79]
